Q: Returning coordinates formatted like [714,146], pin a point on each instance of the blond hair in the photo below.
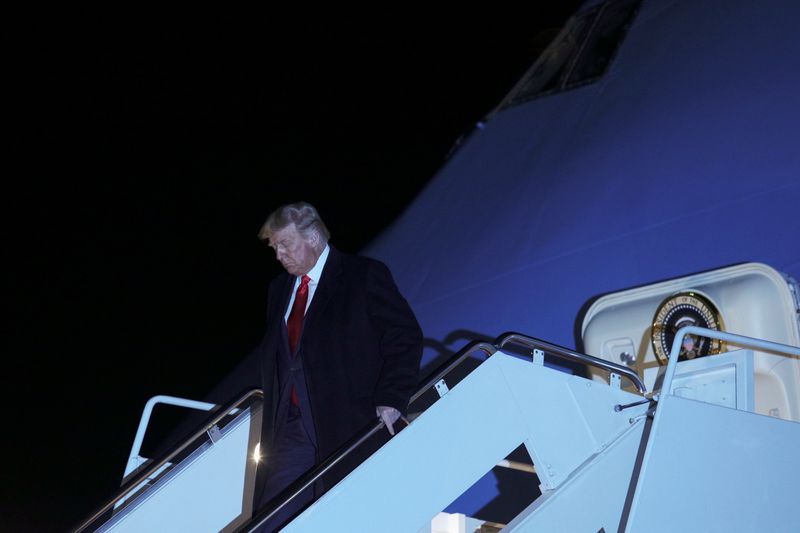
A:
[302,214]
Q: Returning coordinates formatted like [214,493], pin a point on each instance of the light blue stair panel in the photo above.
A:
[714,469]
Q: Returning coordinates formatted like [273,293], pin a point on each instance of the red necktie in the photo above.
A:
[294,325]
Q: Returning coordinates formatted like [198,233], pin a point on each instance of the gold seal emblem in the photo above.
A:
[680,310]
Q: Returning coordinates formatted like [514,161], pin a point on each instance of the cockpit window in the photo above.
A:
[580,54]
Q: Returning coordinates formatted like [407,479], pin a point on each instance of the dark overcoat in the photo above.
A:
[360,346]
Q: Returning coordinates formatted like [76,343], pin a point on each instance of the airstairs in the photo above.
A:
[609,456]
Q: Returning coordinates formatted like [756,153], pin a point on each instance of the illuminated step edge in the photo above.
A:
[459,523]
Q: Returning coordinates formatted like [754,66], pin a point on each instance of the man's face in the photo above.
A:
[296,253]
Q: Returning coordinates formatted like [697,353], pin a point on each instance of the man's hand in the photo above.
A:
[389,415]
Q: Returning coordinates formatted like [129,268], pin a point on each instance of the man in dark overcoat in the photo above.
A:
[342,347]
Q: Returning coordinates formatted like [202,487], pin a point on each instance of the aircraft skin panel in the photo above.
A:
[682,158]
[529,298]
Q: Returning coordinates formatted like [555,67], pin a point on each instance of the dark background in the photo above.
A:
[143,151]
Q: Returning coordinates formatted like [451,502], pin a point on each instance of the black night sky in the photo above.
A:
[144,150]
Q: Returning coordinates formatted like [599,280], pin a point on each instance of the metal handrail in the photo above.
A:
[566,353]
[450,364]
[311,477]
[307,480]
[134,459]
[739,340]
[138,479]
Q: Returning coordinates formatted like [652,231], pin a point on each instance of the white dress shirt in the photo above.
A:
[314,275]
